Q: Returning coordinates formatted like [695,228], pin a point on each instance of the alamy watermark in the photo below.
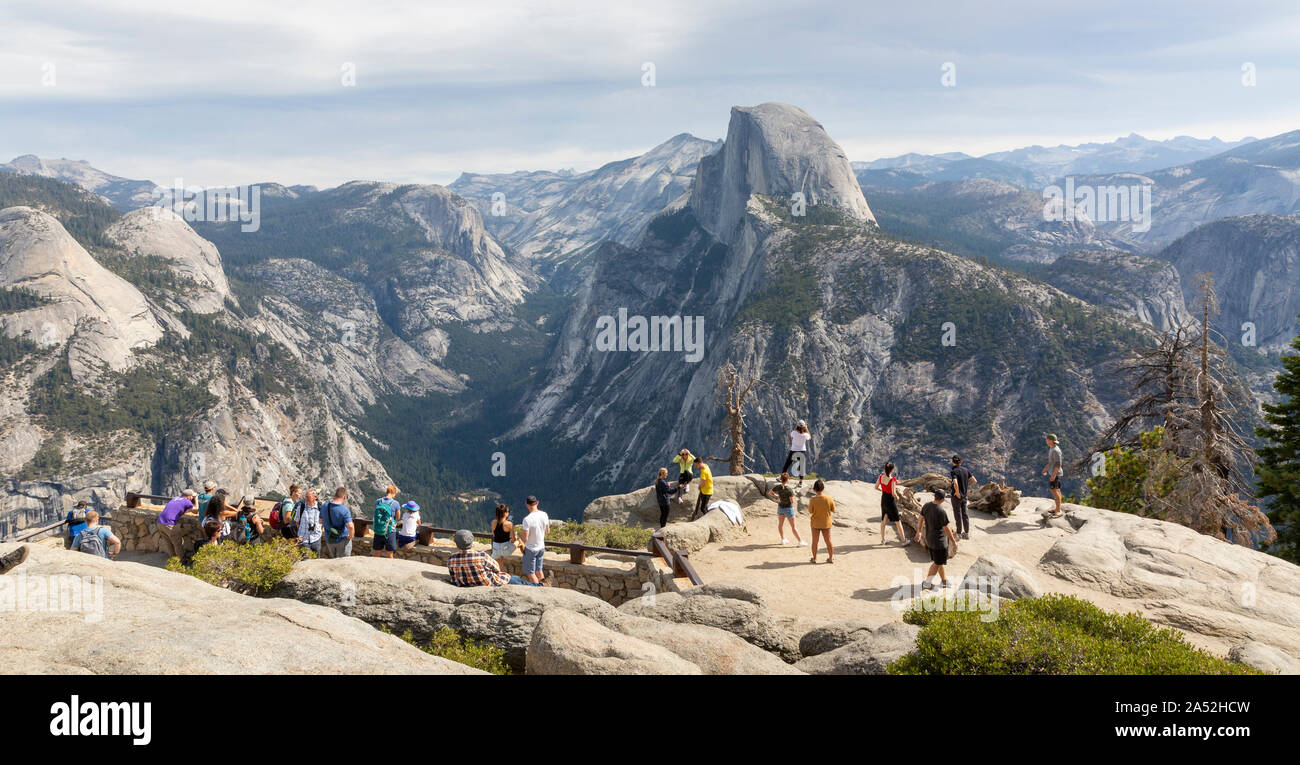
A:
[1098,204]
[57,593]
[640,334]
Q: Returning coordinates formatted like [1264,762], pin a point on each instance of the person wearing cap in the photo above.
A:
[1053,472]
[202,508]
[250,521]
[961,481]
[473,568]
[800,438]
[532,532]
[409,518]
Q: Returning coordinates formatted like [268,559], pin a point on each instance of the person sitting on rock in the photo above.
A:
[473,568]
[784,496]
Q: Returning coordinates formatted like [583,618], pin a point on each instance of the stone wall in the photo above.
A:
[612,578]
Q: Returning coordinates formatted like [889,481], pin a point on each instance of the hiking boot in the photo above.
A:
[12,560]
[965,535]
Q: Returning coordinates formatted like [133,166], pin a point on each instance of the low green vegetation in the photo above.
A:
[448,644]
[247,569]
[1052,635]
[47,463]
[602,535]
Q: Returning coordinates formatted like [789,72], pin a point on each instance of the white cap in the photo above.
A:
[803,424]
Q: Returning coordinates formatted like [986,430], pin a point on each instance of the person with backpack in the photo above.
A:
[886,484]
[784,496]
[282,514]
[96,539]
[307,516]
[338,528]
[76,522]
[251,526]
[384,543]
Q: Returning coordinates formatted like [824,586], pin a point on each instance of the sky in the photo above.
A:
[325,92]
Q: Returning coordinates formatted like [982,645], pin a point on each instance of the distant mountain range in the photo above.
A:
[416,333]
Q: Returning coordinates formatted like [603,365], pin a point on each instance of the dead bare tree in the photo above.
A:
[733,390]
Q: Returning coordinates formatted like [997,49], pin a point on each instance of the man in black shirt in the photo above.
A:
[938,537]
[961,481]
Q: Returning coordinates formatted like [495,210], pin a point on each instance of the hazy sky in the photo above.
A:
[237,92]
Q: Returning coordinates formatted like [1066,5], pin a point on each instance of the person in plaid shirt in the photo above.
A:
[471,568]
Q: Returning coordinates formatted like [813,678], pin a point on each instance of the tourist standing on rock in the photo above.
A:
[706,489]
[472,568]
[251,527]
[886,482]
[684,460]
[532,531]
[384,542]
[961,481]
[938,537]
[171,513]
[784,496]
[800,439]
[307,516]
[336,519]
[820,509]
[409,518]
[503,541]
[282,516]
[96,539]
[76,522]
[1053,472]
[663,490]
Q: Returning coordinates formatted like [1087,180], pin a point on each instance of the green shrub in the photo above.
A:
[248,569]
[602,535]
[1052,635]
[448,644]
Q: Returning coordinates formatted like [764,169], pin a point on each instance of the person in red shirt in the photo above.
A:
[886,482]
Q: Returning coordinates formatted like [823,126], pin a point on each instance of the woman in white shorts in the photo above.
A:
[503,541]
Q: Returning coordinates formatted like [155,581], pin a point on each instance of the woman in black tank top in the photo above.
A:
[503,546]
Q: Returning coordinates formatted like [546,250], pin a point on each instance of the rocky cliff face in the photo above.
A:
[557,218]
[1146,288]
[158,232]
[100,317]
[843,324]
[122,193]
[1258,282]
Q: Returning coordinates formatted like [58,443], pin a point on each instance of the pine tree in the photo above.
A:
[1278,467]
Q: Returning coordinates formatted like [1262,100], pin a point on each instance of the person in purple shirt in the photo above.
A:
[168,518]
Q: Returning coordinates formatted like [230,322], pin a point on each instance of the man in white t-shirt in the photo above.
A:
[532,530]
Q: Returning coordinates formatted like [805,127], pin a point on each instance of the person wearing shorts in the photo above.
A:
[408,532]
[532,530]
[503,543]
[938,536]
[1053,473]
[886,482]
[784,496]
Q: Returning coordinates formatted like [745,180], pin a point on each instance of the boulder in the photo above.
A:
[1001,576]
[115,617]
[408,595]
[870,654]
[929,482]
[828,637]
[567,643]
[639,508]
[714,651]
[1187,580]
[1265,657]
[730,607]
[713,526]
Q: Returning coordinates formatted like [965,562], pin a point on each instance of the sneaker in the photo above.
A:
[12,560]
[785,541]
[965,535]
[802,543]
[926,585]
